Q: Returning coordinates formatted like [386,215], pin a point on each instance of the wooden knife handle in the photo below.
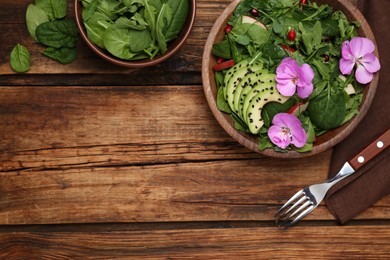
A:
[372,150]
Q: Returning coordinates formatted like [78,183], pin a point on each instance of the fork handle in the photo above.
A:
[372,150]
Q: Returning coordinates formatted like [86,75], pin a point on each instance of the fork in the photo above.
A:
[307,199]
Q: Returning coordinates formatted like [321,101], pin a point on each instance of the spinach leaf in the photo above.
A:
[180,11]
[55,9]
[95,27]
[164,18]
[273,108]
[34,17]
[222,104]
[327,110]
[58,33]
[20,58]
[62,55]
[117,42]
[222,49]
[139,40]
[136,22]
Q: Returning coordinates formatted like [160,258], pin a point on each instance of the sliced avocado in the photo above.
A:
[264,81]
[231,72]
[249,79]
[253,116]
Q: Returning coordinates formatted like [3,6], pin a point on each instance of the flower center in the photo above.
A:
[286,131]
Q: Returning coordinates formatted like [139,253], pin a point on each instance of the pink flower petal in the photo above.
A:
[287,89]
[362,75]
[346,51]
[346,66]
[277,137]
[305,91]
[361,46]
[306,74]
[371,63]
[299,138]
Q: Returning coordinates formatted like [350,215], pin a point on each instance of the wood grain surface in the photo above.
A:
[103,162]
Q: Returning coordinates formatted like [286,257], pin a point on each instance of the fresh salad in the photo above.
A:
[291,70]
[134,29]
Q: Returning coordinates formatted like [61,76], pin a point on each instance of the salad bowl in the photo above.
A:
[322,142]
[172,45]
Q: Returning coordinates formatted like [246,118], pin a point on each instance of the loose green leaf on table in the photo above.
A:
[58,33]
[20,58]
[34,17]
[63,55]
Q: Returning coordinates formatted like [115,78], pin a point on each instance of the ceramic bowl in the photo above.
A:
[173,46]
[323,142]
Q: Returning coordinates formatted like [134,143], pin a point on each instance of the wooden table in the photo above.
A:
[106,162]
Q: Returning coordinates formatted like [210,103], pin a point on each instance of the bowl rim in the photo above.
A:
[172,49]
[250,141]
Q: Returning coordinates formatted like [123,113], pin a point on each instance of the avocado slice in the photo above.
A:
[264,81]
[231,74]
[253,116]
[247,81]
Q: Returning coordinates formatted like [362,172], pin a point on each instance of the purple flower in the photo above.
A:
[359,52]
[291,78]
[287,129]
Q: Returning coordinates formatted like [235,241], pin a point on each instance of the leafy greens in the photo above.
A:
[134,29]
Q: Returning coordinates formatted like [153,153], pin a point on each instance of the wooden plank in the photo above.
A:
[109,154]
[364,242]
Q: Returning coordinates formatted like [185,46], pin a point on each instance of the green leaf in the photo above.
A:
[62,55]
[58,33]
[180,10]
[327,111]
[34,17]
[55,9]
[20,58]
[222,49]
[139,40]
[117,42]
[222,104]
[164,18]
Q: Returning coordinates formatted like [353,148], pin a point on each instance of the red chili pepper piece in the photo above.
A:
[303,2]
[288,48]
[224,65]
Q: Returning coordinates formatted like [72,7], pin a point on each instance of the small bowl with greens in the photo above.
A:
[135,33]
[290,78]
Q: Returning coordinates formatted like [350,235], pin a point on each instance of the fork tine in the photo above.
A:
[299,193]
[302,207]
[301,216]
[291,208]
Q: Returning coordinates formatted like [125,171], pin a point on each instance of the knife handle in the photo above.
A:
[372,150]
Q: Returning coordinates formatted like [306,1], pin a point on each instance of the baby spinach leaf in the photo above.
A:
[58,33]
[20,58]
[139,40]
[222,104]
[34,17]
[327,111]
[62,55]
[117,42]
[164,18]
[222,49]
[55,9]
[180,11]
